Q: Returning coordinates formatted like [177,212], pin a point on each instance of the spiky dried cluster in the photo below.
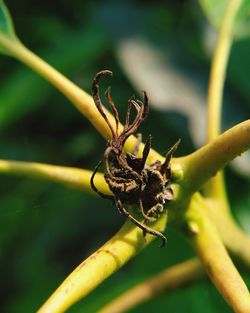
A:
[131,180]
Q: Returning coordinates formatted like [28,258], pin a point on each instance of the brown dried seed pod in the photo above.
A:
[129,178]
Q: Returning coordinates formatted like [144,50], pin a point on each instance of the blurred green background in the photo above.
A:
[162,47]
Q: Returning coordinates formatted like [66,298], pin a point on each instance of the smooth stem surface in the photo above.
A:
[81,99]
[216,187]
[204,163]
[99,266]
[68,176]
[218,70]
[176,277]
[234,238]
[206,241]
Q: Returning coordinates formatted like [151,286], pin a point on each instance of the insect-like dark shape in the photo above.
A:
[129,178]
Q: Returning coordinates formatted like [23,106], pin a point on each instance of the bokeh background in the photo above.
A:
[163,47]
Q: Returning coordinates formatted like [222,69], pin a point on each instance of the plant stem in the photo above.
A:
[176,277]
[208,245]
[215,187]
[231,234]
[218,69]
[68,176]
[204,163]
[81,99]
[100,265]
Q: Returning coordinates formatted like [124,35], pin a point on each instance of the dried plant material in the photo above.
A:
[131,180]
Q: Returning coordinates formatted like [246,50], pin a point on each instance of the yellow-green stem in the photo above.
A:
[68,176]
[176,277]
[99,266]
[204,163]
[81,99]
[205,239]
[234,238]
[218,70]
[216,187]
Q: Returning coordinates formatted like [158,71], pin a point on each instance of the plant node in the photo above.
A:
[131,180]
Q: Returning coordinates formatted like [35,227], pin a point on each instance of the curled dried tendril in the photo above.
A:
[131,180]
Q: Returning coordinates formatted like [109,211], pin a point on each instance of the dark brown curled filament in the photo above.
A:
[131,180]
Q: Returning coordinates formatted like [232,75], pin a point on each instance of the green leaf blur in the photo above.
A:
[6,26]
[215,11]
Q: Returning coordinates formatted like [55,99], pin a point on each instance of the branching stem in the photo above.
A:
[204,163]
[195,170]
[209,247]
[231,234]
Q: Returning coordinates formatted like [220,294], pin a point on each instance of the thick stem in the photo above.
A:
[208,245]
[215,188]
[234,238]
[176,277]
[99,266]
[68,176]
[204,163]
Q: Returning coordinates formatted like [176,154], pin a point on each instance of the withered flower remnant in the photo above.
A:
[131,180]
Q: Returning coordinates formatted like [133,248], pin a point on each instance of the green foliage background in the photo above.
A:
[46,230]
